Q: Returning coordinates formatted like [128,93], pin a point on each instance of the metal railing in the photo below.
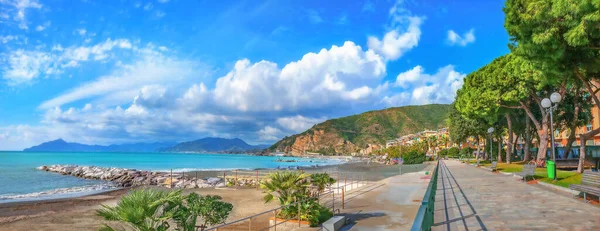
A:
[334,197]
[424,218]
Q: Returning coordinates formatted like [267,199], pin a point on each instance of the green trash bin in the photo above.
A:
[551,167]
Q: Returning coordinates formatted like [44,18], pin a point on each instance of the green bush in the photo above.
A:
[466,151]
[413,157]
[454,152]
[443,153]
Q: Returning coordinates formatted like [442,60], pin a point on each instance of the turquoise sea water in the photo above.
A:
[19,180]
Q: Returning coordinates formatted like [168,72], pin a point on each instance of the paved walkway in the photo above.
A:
[469,198]
[392,204]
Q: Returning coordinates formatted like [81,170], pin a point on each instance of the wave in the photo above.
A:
[60,192]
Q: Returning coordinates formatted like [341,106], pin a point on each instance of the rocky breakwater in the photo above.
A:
[130,177]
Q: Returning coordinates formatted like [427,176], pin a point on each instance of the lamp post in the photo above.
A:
[491,130]
[550,107]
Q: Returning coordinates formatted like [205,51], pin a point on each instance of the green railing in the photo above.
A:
[424,219]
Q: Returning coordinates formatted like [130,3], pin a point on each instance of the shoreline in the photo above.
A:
[48,195]
[79,212]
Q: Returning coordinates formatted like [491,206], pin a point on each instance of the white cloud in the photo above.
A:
[440,87]
[43,26]
[81,31]
[298,123]
[27,65]
[18,9]
[8,38]
[403,34]
[160,14]
[456,39]
[163,1]
[24,65]
[152,69]
[410,76]
[318,79]
[269,133]
[314,17]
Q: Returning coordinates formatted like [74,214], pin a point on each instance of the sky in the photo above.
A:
[114,72]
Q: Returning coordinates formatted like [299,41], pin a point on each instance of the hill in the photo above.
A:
[61,145]
[214,144]
[357,132]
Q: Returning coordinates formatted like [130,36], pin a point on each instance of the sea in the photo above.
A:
[21,181]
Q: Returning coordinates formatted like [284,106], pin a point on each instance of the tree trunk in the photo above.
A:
[543,141]
[478,148]
[583,137]
[542,129]
[509,146]
[515,142]
[526,153]
[499,149]
[570,141]
[573,126]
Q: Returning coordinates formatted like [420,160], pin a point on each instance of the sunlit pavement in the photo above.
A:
[492,201]
[390,205]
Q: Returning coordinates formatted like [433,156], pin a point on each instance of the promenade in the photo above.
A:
[469,198]
[390,204]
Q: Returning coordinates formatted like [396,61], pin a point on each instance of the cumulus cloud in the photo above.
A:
[456,39]
[298,123]
[426,88]
[403,34]
[318,79]
[269,133]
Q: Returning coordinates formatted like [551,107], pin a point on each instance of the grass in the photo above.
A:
[564,178]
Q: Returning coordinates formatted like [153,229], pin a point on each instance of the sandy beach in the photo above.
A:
[79,213]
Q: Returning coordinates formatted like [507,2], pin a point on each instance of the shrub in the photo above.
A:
[413,157]
[443,153]
[466,151]
[155,210]
[290,187]
[321,181]
[454,152]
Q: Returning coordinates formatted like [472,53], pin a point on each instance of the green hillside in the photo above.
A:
[352,133]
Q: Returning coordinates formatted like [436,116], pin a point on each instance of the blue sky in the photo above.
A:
[102,72]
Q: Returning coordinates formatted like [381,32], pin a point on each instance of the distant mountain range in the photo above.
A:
[209,144]
[213,144]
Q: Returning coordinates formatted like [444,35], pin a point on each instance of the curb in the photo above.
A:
[543,184]
[558,188]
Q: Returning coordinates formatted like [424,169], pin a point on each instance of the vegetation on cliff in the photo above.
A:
[352,133]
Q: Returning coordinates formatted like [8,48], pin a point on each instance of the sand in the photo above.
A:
[79,213]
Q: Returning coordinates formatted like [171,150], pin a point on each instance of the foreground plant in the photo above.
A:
[143,210]
[291,190]
[321,181]
[209,209]
[154,210]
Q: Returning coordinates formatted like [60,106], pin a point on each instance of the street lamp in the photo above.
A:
[548,105]
[491,130]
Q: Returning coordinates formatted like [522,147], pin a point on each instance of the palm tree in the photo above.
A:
[321,181]
[144,210]
[286,186]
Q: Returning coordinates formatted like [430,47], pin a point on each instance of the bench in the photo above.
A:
[528,170]
[590,183]
[573,164]
[494,166]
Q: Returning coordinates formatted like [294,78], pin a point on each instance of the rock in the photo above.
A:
[220,185]
[43,168]
[214,180]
